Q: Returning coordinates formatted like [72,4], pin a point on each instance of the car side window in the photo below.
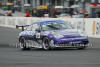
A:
[29,28]
[35,26]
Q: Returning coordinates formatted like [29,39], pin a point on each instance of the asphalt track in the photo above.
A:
[14,57]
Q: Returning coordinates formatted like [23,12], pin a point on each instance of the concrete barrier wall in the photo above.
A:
[89,25]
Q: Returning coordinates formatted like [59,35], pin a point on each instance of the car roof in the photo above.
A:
[54,21]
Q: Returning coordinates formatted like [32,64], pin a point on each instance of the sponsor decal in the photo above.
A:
[96,28]
[52,42]
[81,25]
[93,30]
[75,42]
[38,35]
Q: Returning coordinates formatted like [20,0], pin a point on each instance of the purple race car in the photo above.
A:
[51,34]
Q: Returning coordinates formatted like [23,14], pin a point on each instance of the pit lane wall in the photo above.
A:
[90,25]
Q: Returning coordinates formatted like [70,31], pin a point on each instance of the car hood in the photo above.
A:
[67,33]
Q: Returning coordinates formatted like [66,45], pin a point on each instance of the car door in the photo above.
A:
[37,35]
[31,33]
[32,36]
[35,26]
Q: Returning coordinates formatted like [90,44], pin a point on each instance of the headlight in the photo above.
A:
[82,33]
[57,35]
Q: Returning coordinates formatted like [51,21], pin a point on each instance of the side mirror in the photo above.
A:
[38,30]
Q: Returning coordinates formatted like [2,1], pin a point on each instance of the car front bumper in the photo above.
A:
[70,42]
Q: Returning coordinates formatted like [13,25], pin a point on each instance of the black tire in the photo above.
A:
[23,44]
[46,43]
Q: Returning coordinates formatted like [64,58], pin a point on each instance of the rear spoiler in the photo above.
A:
[22,26]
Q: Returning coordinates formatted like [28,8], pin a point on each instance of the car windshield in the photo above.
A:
[56,26]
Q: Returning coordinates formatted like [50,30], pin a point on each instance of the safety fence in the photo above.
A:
[90,25]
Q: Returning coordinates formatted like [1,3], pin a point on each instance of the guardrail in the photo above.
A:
[90,25]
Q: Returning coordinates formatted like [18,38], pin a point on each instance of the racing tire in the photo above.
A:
[46,43]
[23,44]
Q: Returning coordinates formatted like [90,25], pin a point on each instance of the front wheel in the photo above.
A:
[46,43]
[22,43]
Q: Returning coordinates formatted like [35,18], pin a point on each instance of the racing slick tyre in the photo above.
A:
[22,43]
[46,43]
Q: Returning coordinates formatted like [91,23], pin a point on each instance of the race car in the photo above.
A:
[51,34]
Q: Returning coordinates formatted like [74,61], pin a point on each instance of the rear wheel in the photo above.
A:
[23,45]
[46,43]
